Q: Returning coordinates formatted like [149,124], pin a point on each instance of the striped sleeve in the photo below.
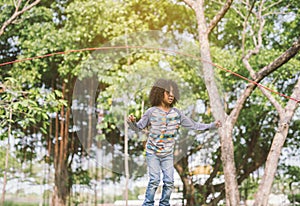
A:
[142,123]
[190,124]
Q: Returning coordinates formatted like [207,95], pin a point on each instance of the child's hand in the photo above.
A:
[218,123]
[131,118]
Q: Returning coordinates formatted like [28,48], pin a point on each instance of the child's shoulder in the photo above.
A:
[176,110]
[150,110]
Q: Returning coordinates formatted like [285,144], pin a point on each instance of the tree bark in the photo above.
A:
[188,189]
[227,149]
[285,115]
[61,176]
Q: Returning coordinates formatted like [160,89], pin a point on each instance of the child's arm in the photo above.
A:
[141,124]
[190,124]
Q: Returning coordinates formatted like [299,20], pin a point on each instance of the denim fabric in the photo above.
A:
[157,164]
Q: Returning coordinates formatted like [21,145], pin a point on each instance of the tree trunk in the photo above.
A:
[189,191]
[285,116]
[264,189]
[227,156]
[181,167]
[204,29]
[61,176]
[6,159]
[227,149]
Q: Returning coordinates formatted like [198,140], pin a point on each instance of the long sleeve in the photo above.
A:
[142,123]
[190,124]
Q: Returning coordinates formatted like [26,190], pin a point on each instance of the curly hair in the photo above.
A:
[157,91]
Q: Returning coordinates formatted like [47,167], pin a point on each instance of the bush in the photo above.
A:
[297,198]
[10,203]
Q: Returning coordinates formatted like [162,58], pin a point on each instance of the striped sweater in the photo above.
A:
[163,128]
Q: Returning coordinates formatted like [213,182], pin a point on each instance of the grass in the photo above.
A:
[10,203]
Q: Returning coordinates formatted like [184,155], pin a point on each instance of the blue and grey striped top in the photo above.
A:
[163,128]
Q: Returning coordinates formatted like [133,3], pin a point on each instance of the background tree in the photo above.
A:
[24,115]
[285,113]
[247,116]
[60,26]
[204,29]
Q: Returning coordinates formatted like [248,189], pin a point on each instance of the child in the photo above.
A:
[163,121]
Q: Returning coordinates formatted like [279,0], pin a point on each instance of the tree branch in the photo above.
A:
[268,8]
[257,41]
[282,59]
[291,106]
[215,171]
[219,16]
[272,99]
[245,23]
[265,186]
[16,14]
[265,71]
[190,3]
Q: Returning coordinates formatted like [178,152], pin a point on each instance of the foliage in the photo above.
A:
[10,203]
[11,161]
[80,176]
[292,173]
[294,198]
[248,188]
[35,87]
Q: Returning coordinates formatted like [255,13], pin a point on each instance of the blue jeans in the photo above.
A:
[155,165]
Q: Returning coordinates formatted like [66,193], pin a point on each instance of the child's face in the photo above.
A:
[168,97]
